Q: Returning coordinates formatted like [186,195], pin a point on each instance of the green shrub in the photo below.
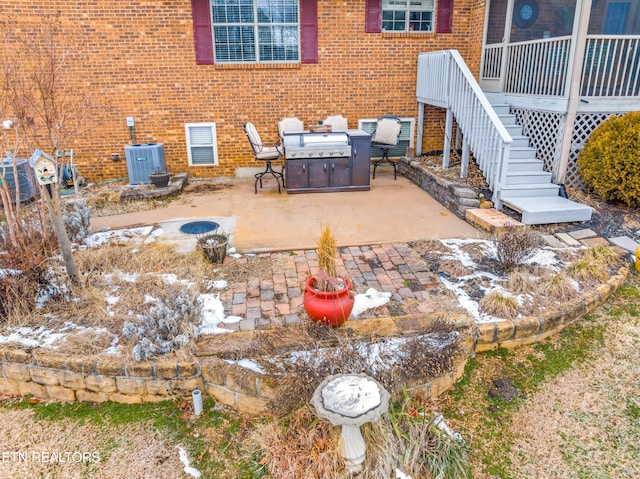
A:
[610,163]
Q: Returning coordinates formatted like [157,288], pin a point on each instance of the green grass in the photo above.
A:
[529,371]
[167,418]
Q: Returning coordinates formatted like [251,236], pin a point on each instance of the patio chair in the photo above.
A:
[337,122]
[385,137]
[290,123]
[263,153]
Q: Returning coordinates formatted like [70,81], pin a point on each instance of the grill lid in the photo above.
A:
[325,139]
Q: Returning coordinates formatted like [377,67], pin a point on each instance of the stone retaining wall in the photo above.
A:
[456,197]
[532,329]
[49,375]
[46,374]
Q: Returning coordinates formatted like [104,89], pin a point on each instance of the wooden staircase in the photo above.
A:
[528,189]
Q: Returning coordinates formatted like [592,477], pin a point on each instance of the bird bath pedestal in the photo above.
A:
[350,400]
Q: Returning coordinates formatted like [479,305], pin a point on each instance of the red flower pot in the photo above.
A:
[328,307]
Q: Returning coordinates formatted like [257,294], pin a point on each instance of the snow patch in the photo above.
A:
[103,237]
[368,300]
[192,471]
[212,314]
[248,364]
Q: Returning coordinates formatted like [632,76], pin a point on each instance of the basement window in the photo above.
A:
[201,144]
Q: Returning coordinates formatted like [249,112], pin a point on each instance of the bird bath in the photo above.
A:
[351,400]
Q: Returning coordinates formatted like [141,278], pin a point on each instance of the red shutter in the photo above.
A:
[202,31]
[444,17]
[309,31]
[373,16]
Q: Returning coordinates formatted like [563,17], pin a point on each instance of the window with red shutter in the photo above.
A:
[309,31]
[373,16]
[227,33]
[202,31]
[444,20]
[408,16]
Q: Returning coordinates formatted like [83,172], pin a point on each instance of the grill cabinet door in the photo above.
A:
[297,172]
[319,173]
[340,171]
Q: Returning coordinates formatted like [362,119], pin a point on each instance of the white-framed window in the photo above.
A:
[201,144]
[256,31]
[407,15]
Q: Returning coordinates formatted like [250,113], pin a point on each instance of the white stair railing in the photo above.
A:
[444,80]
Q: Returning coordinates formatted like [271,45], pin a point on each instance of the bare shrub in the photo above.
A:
[499,305]
[325,351]
[37,111]
[514,245]
[558,286]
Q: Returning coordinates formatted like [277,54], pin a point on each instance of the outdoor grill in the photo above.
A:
[302,145]
[327,161]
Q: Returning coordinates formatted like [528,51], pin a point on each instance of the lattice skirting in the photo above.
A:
[585,124]
[545,130]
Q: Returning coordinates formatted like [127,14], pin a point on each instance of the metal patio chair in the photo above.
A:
[263,153]
[385,137]
[337,122]
[290,123]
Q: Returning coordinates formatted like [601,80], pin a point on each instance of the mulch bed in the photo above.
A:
[609,219]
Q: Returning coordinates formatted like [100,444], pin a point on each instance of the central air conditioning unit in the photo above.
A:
[26,179]
[144,159]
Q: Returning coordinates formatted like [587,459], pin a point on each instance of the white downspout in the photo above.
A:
[580,30]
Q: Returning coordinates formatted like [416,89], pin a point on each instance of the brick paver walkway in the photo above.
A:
[275,299]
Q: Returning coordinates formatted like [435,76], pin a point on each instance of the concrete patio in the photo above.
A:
[392,211]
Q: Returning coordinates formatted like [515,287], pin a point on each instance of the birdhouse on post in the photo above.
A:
[45,167]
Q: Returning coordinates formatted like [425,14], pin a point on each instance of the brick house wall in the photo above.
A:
[138,58]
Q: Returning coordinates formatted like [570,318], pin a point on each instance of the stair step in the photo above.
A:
[527,177]
[494,98]
[520,152]
[507,119]
[501,109]
[538,190]
[537,211]
[525,164]
[519,141]
[514,130]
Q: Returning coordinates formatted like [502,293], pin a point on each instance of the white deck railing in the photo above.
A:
[611,66]
[445,80]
